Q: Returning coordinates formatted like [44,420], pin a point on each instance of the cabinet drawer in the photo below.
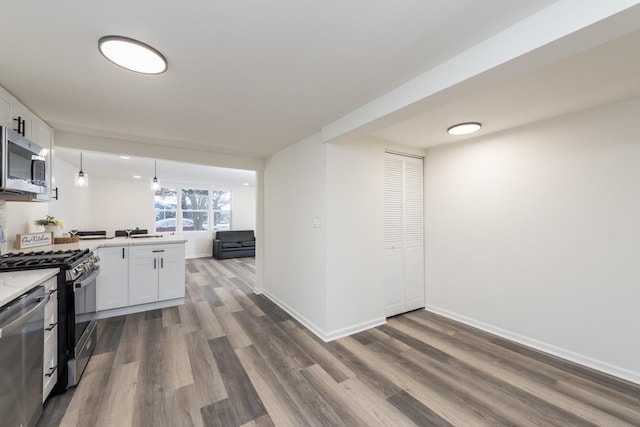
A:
[51,310]
[50,371]
[51,335]
[51,320]
[50,284]
[156,250]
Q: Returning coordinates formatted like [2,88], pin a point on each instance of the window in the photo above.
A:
[165,202]
[221,205]
[196,209]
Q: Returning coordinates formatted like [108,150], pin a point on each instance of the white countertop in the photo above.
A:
[15,283]
[93,244]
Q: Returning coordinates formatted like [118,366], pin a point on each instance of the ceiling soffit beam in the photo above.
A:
[139,149]
[541,39]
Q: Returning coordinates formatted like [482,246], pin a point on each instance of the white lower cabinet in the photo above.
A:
[50,353]
[134,275]
[143,279]
[171,276]
[156,273]
[112,285]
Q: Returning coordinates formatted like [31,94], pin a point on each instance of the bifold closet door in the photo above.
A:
[403,234]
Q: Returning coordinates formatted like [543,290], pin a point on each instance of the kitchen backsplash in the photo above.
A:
[18,218]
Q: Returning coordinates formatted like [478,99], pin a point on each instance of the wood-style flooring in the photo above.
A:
[228,357]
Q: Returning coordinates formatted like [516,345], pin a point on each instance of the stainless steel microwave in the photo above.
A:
[23,168]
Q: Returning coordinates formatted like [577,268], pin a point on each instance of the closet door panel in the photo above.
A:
[403,234]
[394,281]
[413,205]
[413,278]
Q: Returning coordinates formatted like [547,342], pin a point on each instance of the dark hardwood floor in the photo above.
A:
[228,357]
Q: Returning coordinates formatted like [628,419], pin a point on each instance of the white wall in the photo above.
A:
[119,203]
[354,237]
[19,218]
[74,203]
[295,251]
[243,208]
[355,187]
[535,233]
[341,186]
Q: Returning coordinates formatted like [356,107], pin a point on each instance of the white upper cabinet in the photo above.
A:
[14,115]
[42,135]
[23,121]
[5,111]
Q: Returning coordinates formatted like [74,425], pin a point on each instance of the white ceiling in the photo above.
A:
[248,77]
[599,76]
[168,172]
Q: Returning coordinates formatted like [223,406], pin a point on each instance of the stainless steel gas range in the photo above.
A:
[76,287]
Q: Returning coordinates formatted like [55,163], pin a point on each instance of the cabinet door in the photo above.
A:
[42,135]
[143,279]
[20,112]
[171,278]
[112,285]
[5,111]
[49,370]
[393,282]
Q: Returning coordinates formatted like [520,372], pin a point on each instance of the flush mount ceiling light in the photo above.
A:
[464,128]
[132,55]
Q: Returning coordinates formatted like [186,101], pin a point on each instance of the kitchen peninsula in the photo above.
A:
[136,274]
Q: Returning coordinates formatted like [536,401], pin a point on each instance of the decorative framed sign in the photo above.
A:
[33,240]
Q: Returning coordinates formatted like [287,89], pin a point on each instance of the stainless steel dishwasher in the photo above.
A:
[21,352]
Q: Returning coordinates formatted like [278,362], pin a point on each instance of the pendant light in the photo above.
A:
[155,183]
[81,179]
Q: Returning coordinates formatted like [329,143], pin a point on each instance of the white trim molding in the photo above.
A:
[139,308]
[571,356]
[354,329]
[319,332]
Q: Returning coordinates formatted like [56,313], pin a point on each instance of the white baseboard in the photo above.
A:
[300,318]
[139,308]
[571,356]
[354,329]
[202,255]
[319,332]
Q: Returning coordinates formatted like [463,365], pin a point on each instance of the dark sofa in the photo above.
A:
[234,244]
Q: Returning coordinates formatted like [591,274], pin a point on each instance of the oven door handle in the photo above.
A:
[24,319]
[83,281]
